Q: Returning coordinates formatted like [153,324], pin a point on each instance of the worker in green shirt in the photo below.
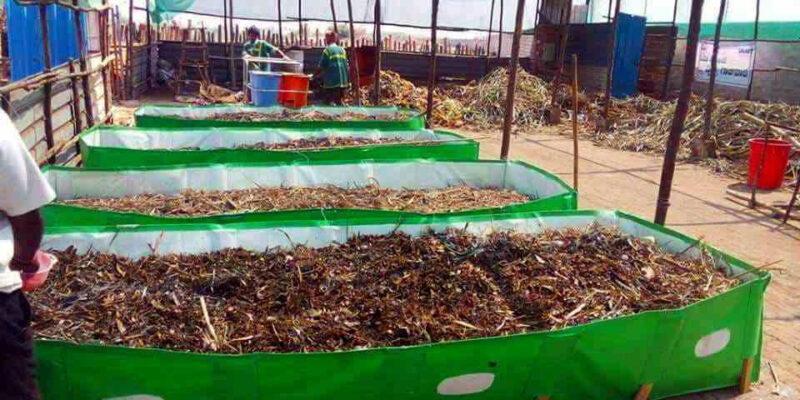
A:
[256,47]
[334,69]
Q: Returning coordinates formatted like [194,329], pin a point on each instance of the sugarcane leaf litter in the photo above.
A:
[371,196]
[371,291]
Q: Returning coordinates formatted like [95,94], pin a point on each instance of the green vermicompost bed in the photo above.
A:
[114,146]
[698,347]
[548,192]
[175,116]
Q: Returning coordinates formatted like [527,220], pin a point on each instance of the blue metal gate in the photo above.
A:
[25,37]
[630,43]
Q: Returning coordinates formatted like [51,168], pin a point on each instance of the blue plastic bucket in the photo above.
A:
[264,87]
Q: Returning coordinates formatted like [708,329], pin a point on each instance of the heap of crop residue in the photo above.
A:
[480,104]
[372,291]
[319,143]
[372,196]
[291,115]
[642,123]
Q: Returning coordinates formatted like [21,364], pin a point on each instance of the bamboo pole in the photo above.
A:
[489,39]
[149,43]
[48,87]
[432,63]
[280,25]
[87,94]
[612,50]
[575,121]
[500,33]
[131,28]
[378,50]
[104,53]
[668,170]
[674,38]
[357,83]
[76,100]
[300,21]
[744,378]
[755,52]
[707,146]
[512,81]
[333,15]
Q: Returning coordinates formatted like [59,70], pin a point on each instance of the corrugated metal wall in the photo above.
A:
[25,38]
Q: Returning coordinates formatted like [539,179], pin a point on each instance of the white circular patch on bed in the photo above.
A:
[712,343]
[465,384]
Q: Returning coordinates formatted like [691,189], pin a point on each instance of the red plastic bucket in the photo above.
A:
[294,90]
[776,158]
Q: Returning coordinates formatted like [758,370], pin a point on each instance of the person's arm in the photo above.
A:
[323,64]
[28,230]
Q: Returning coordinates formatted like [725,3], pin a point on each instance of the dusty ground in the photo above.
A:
[628,181]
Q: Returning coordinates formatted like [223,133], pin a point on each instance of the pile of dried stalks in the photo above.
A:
[320,143]
[371,291]
[372,196]
[642,124]
[288,115]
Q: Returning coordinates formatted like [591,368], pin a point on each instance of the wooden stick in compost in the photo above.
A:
[668,170]
[432,64]
[512,81]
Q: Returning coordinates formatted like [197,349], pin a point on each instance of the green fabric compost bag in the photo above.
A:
[166,116]
[107,146]
[698,347]
[547,191]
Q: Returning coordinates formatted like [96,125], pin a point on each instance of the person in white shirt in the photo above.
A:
[23,190]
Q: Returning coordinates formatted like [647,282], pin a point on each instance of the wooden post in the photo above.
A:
[131,29]
[280,25]
[300,21]
[673,39]
[87,93]
[104,53]
[489,40]
[706,146]
[432,64]
[512,81]
[755,50]
[357,83]
[575,121]
[76,101]
[668,170]
[500,33]
[378,50]
[744,378]
[612,50]
[231,62]
[149,44]
[48,87]
[536,15]
[333,15]
[644,392]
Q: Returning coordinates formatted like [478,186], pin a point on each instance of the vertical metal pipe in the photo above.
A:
[612,50]
[87,93]
[673,39]
[280,25]
[512,81]
[673,142]
[357,83]
[378,51]
[300,21]
[48,87]
[755,50]
[333,14]
[149,44]
[489,39]
[231,44]
[131,29]
[432,63]
[708,148]
[500,33]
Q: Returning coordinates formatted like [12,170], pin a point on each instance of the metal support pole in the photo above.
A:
[357,83]
[131,29]
[707,147]
[500,33]
[668,170]
[48,87]
[512,81]
[104,53]
[378,51]
[231,59]
[333,14]
[300,21]
[280,25]
[87,93]
[149,44]
[612,50]
[432,63]
[673,39]
[755,50]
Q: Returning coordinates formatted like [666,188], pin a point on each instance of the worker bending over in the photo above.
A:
[24,191]
[334,68]
[256,47]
